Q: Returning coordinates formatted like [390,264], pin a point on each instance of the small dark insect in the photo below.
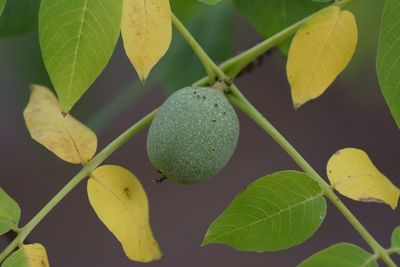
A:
[160,179]
[256,63]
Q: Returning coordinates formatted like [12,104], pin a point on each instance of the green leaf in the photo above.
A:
[272,16]
[77,38]
[181,66]
[276,212]
[32,255]
[388,59]
[341,255]
[10,213]
[2,5]
[18,16]
[396,238]
[210,2]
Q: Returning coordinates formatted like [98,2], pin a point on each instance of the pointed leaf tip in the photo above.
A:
[120,202]
[354,175]
[77,39]
[146,32]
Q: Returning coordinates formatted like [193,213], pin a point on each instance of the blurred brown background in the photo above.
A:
[351,113]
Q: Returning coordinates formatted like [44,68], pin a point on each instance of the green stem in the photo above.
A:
[86,170]
[208,64]
[243,104]
[235,65]
[393,251]
[238,100]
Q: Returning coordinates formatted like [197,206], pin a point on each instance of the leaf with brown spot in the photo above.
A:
[120,202]
[33,255]
[147,32]
[353,174]
[62,134]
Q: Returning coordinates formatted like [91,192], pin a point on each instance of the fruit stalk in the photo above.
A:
[241,60]
[242,103]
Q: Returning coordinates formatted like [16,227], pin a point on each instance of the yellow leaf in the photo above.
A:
[146,31]
[320,51]
[62,134]
[352,173]
[121,203]
[33,255]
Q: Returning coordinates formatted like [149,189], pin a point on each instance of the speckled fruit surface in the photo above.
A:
[193,135]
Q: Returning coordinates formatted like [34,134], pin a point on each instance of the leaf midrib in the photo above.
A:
[266,218]
[84,10]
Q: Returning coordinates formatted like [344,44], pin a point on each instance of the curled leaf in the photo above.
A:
[352,173]
[60,133]
[147,32]
[120,202]
[320,51]
[33,255]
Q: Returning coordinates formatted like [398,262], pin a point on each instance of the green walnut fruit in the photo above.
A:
[193,135]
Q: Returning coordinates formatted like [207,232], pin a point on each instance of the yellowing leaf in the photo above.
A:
[320,51]
[352,173]
[33,255]
[121,203]
[146,31]
[62,134]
